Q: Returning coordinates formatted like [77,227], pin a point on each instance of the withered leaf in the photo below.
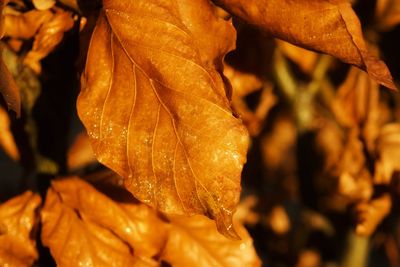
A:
[50,34]
[357,100]
[388,149]
[370,214]
[80,154]
[7,142]
[305,59]
[25,25]
[8,88]
[327,26]
[244,84]
[17,221]
[195,241]
[387,14]
[81,226]
[155,106]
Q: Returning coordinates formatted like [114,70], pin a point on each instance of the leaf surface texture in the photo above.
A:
[156,108]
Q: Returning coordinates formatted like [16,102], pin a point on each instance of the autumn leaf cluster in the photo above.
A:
[172,97]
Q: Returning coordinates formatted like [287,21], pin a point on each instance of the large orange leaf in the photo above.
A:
[327,26]
[81,226]
[195,241]
[17,220]
[155,106]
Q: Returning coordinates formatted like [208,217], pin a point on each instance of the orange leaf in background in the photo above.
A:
[80,154]
[370,214]
[25,25]
[195,241]
[8,87]
[244,84]
[309,258]
[81,226]
[155,107]
[388,149]
[278,220]
[357,100]
[7,142]
[357,106]
[305,59]
[278,144]
[328,26]
[387,14]
[50,34]
[17,221]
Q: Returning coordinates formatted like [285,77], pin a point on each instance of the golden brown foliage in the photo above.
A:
[18,219]
[335,30]
[172,119]
[157,114]
[83,226]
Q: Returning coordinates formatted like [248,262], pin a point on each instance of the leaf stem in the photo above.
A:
[356,253]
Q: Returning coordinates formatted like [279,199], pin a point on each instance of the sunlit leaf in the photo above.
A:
[81,226]
[155,106]
[195,241]
[328,26]
[17,239]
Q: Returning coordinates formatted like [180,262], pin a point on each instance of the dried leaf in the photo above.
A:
[387,14]
[330,141]
[305,59]
[327,26]
[355,188]
[277,146]
[8,88]
[370,214]
[357,101]
[81,226]
[245,213]
[2,5]
[48,37]
[80,154]
[278,220]
[43,4]
[388,150]
[244,84]
[309,258]
[7,141]
[25,25]
[352,159]
[26,80]
[196,242]
[156,110]
[17,221]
